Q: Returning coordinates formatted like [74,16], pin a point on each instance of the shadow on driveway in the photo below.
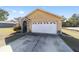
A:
[17,35]
[13,37]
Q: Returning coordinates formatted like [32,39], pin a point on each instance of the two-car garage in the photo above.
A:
[50,28]
[40,21]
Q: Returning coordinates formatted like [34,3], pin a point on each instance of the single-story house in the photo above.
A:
[40,21]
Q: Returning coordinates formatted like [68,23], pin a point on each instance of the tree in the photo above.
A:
[64,21]
[18,18]
[74,20]
[3,15]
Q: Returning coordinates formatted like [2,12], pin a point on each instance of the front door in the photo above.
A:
[24,26]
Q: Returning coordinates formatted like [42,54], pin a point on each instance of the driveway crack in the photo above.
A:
[35,45]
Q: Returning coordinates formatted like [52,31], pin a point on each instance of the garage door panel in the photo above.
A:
[44,28]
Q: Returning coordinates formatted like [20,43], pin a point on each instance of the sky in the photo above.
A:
[21,11]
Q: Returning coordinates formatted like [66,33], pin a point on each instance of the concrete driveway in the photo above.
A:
[38,43]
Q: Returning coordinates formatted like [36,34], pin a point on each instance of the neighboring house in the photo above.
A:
[40,21]
[6,24]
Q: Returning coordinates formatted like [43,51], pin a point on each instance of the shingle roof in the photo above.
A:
[44,12]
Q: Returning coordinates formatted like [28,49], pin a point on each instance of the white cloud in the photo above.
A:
[14,11]
[21,12]
[18,12]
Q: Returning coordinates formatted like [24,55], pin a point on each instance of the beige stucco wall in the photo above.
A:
[39,17]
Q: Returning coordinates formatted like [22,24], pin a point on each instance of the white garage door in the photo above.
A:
[44,28]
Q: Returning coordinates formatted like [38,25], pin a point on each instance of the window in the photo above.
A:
[41,23]
[54,22]
[47,22]
[37,23]
[50,22]
[33,23]
[44,22]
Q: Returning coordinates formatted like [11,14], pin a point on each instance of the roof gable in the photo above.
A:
[44,12]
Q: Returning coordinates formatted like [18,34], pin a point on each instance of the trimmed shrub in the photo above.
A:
[17,28]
